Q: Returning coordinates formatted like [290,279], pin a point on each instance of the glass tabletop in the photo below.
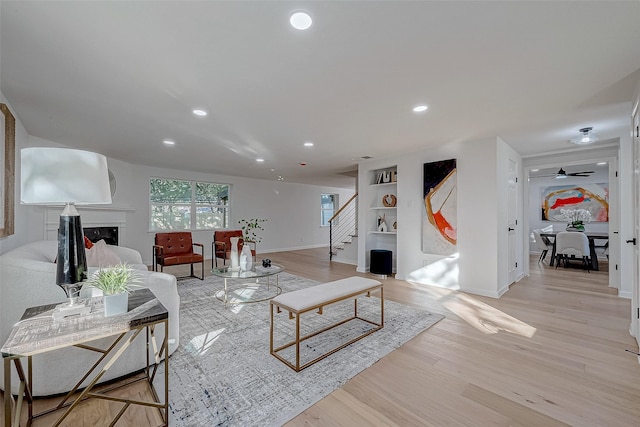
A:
[257,271]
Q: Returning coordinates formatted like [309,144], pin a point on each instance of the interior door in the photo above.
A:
[635,323]
[512,208]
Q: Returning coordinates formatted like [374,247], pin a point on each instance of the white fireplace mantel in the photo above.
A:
[91,216]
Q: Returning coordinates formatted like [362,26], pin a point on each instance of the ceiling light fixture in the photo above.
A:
[259,160]
[601,163]
[308,144]
[199,112]
[169,142]
[300,21]
[420,108]
[587,137]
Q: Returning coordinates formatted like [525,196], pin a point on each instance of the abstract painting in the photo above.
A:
[440,222]
[591,197]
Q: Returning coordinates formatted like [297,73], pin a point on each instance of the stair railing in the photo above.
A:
[343,226]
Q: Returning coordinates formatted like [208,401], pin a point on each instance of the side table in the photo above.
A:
[37,333]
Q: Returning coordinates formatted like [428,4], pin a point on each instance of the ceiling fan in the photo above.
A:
[563,174]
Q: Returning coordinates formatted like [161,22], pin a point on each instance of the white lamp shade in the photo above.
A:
[56,176]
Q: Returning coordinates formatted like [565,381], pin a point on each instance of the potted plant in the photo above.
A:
[251,228]
[114,282]
[576,218]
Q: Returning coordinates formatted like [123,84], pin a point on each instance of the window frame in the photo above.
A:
[193,206]
[323,210]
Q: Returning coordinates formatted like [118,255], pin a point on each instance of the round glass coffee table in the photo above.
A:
[247,286]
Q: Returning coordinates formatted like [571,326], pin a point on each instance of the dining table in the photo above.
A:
[591,235]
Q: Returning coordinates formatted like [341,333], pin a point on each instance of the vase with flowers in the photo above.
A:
[251,229]
[576,218]
[251,237]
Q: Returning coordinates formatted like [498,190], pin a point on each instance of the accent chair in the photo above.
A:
[221,246]
[177,248]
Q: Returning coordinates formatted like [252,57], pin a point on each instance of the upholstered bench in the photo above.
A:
[316,298]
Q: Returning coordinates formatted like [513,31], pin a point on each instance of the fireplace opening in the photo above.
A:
[108,234]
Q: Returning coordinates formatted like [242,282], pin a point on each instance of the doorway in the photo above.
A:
[581,183]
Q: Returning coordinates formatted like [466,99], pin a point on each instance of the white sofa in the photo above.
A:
[27,279]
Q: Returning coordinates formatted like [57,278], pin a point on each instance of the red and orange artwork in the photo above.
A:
[591,197]
[439,234]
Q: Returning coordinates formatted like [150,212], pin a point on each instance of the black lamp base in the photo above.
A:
[72,260]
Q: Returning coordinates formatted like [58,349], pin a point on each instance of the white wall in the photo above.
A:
[292,210]
[475,268]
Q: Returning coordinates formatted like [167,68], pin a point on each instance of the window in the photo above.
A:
[187,205]
[328,207]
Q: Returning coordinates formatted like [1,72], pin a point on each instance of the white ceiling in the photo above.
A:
[119,77]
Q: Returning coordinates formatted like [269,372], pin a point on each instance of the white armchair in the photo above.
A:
[27,279]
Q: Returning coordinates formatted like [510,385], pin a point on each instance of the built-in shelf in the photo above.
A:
[381,198]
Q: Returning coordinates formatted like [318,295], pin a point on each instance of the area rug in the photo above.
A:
[223,375]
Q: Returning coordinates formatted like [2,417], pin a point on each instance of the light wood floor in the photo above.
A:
[550,352]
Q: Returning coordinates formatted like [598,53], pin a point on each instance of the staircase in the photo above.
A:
[343,232]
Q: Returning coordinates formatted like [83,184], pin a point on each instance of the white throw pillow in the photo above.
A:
[101,256]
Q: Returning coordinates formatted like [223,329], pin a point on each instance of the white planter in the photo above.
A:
[235,259]
[116,304]
[248,257]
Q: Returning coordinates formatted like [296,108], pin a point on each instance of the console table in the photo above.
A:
[37,333]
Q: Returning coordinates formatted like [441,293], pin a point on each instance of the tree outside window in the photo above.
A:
[328,207]
[187,205]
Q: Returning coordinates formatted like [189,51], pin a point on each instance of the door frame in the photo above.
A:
[614,204]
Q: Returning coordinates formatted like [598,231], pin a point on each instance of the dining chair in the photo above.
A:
[543,244]
[602,249]
[572,244]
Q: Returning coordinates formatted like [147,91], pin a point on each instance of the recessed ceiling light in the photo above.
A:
[300,21]
[272,170]
[259,160]
[601,163]
[308,144]
[420,108]
[169,142]
[535,170]
[199,112]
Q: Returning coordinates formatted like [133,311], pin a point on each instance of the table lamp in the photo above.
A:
[66,177]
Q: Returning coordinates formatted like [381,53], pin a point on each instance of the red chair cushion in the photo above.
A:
[181,259]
